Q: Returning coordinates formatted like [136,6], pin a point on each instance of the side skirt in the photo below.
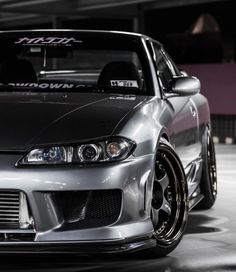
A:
[194,201]
[193,178]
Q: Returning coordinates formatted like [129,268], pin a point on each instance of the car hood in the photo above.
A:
[31,119]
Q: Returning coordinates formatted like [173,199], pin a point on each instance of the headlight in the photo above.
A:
[114,149]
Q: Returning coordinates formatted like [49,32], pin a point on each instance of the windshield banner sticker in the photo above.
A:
[54,85]
[45,85]
[50,41]
[124,83]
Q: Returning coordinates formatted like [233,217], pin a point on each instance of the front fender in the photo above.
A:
[146,124]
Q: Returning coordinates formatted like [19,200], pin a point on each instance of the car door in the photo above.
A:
[185,135]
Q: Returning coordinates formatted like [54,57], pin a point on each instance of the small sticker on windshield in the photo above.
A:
[125,97]
[49,41]
[124,83]
[35,49]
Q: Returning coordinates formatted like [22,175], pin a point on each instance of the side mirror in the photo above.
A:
[184,86]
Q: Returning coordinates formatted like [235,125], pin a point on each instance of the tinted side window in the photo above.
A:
[164,73]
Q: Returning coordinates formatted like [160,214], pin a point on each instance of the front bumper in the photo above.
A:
[85,247]
[133,177]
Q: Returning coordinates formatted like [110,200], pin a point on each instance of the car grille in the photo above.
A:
[9,209]
[85,209]
[14,211]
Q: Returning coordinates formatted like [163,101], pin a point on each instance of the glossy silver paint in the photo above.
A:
[38,119]
[184,86]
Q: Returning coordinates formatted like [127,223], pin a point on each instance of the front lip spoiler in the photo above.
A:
[76,247]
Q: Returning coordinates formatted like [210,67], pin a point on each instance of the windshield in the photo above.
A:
[71,63]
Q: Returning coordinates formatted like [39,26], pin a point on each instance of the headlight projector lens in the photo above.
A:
[89,152]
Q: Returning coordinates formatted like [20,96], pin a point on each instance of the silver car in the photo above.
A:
[105,146]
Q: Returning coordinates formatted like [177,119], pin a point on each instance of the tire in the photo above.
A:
[208,183]
[169,204]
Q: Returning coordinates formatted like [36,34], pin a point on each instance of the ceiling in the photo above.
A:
[15,13]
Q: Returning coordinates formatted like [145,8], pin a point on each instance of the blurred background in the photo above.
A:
[200,36]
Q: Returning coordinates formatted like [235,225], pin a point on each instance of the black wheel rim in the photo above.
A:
[211,161]
[169,207]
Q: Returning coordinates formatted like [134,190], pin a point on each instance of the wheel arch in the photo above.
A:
[162,137]
[165,136]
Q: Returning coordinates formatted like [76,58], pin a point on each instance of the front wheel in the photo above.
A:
[169,203]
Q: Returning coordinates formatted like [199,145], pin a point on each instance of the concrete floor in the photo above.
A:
[209,244]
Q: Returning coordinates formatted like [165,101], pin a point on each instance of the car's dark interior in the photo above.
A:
[99,71]
[17,71]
